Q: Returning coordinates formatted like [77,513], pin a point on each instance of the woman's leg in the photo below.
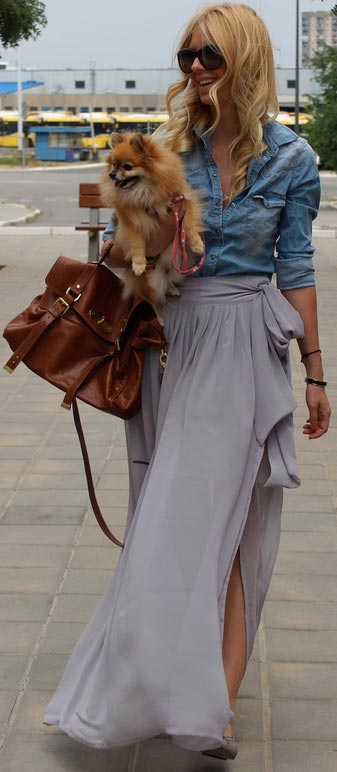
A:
[234,645]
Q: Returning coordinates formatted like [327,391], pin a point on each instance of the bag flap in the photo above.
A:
[101,304]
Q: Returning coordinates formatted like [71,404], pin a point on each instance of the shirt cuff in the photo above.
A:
[294,272]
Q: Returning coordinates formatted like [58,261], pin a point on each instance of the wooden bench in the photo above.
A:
[89,197]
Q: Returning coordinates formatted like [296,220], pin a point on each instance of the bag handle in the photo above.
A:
[91,489]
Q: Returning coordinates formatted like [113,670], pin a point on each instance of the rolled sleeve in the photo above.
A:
[111,227]
[294,249]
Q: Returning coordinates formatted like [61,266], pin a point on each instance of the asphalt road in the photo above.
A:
[55,192]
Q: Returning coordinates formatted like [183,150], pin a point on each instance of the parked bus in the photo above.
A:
[101,124]
[288,119]
[144,122]
[9,124]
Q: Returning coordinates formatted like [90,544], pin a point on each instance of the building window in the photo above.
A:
[84,109]
[130,84]
[97,109]
[124,109]
[138,109]
[151,109]
[291,83]
[111,109]
[72,110]
[79,83]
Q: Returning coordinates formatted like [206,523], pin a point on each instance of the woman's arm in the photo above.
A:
[304,300]
[114,256]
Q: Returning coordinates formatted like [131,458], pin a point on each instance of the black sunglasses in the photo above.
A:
[210,58]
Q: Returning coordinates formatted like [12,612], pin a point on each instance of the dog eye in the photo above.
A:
[127,167]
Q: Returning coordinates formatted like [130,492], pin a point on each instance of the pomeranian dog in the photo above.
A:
[140,178]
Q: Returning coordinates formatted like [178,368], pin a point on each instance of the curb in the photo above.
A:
[39,230]
[324,233]
[74,167]
[31,216]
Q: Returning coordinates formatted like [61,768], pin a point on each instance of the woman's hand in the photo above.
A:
[165,233]
[319,412]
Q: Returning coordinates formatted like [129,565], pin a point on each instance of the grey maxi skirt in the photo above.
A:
[218,438]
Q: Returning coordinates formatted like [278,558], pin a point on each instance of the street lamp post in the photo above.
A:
[297,67]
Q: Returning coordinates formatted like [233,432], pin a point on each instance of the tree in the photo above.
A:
[333,10]
[321,131]
[21,20]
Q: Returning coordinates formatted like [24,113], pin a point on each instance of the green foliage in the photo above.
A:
[321,131]
[333,10]
[21,20]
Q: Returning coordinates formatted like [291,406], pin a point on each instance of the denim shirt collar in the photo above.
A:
[274,135]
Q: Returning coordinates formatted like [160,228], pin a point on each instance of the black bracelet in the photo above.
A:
[317,351]
[313,381]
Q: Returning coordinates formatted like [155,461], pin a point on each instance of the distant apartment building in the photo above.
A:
[317,28]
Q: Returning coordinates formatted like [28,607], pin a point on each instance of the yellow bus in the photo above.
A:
[9,136]
[288,119]
[102,124]
[144,122]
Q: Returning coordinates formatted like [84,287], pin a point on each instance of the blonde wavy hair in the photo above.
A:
[243,39]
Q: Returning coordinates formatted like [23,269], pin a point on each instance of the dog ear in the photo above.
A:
[139,143]
[115,139]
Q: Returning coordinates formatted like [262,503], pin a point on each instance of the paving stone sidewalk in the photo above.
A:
[54,565]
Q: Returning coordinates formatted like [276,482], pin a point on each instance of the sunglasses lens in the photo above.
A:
[185,59]
[208,57]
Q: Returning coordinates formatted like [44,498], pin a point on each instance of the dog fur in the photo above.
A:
[140,178]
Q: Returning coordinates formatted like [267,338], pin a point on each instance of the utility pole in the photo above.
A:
[297,67]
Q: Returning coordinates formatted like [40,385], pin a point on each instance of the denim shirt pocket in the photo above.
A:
[264,214]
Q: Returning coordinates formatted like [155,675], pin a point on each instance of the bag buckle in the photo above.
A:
[63,303]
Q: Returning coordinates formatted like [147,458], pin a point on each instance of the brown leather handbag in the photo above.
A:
[84,338]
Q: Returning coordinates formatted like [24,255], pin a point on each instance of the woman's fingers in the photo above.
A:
[164,235]
[318,420]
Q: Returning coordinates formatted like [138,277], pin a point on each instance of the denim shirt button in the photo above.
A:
[217,202]
[233,203]
[212,257]
[217,231]
[215,174]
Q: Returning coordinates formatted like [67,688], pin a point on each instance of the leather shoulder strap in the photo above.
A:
[91,489]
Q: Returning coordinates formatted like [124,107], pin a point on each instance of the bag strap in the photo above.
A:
[91,489]
[53,313]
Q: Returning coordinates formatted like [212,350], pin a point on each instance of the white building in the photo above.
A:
[121,90]
[317,28]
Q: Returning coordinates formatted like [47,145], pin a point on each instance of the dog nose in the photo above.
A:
[112,175]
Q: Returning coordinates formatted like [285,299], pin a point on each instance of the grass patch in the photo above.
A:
[10,160]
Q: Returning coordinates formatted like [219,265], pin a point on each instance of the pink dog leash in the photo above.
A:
[179,242]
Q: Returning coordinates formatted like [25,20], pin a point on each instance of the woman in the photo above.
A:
[168,645]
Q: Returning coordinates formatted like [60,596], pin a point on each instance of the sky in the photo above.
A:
[139,33]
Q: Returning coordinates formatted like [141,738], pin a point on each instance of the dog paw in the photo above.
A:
[197,245]
[138,268]
[173,291]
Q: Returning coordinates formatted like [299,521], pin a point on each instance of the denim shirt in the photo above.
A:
[267,227]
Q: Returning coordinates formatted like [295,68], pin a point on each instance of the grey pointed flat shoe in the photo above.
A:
[227,751]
